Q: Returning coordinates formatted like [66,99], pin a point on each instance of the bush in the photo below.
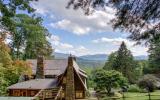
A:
[148,82]
[134,88]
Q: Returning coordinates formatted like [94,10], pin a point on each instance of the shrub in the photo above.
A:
[148,82]
[134,88]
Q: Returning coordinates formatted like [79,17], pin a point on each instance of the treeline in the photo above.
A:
[27,39]
[122,70]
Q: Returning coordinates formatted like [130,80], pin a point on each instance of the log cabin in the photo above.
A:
[58,79]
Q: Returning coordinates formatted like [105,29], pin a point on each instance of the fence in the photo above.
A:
[134,97]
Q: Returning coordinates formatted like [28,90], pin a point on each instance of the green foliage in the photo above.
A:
[3,82]
[148,82]
[123,61]
[106,80]
[10,71]
[29,38]
[134,16]
[144,66]
[109,65]
[134,88]
[9,9]
[154,59]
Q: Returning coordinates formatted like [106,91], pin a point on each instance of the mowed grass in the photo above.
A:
[138,96]
[142,96]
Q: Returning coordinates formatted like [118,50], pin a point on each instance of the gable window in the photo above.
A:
[79,94]
[64,80]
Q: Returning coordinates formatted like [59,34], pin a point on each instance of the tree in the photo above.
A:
[3,82]
[123,61]
[106,80]
[109,65]
[148,82]
[9,9]
[10,71]
[134,16]
[29,38]
[154,56]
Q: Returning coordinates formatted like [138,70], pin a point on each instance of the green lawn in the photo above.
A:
[138,96]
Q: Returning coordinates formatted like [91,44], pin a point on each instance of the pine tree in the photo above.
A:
[29,38]
[109,65]
[124,62]
[154,56]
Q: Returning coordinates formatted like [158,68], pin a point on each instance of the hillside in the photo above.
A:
[92,61]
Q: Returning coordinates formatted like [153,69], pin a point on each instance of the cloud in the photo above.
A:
[56,43]
[66,47]
[81,50]
[75,21]
[71,27]
[135,49]
[115,41]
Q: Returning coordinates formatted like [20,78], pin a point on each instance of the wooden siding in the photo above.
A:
[23,92]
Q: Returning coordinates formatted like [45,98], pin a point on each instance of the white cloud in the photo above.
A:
[135,49]
[71,27]
[57,44]
[81,50]
[75,21]
[115,41]
[65,46]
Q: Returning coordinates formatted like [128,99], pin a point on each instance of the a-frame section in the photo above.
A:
[70,86]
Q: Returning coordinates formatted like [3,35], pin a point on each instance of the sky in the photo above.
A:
[72,32]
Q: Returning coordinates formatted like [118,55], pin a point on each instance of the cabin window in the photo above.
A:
[23,93]
[33,93]
[63,95]
[79,94]
[64,80]
[16,92]
[48,94]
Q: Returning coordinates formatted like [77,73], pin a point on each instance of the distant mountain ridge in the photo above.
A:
[91,61]
[95,57]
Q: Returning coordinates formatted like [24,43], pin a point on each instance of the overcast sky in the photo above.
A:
[73,32]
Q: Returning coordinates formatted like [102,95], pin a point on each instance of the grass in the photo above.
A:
[138,96]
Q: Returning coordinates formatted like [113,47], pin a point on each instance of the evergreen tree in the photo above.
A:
[29,38]
[109,65]
[123,61]
[154,56]
[9,8]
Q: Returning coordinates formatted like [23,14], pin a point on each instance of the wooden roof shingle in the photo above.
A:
[55,67]
[35,84]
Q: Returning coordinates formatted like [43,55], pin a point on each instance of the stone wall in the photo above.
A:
[40,68]
[70,87]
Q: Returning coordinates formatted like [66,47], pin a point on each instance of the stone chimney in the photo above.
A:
[70,87]
[40,68]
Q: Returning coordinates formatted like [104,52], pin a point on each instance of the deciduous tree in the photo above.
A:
[106,80]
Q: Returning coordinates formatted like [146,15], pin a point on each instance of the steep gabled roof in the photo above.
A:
[35,84]
[55,67]
[78,72]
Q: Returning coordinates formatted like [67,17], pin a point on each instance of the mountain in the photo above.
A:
[104,57]
[141,57]
[85,61]
[96,57]
[60,55]
[92,61]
